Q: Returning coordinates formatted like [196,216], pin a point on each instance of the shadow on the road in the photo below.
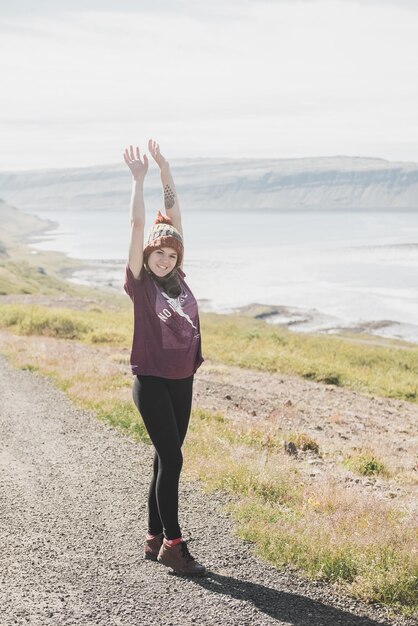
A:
[291,608]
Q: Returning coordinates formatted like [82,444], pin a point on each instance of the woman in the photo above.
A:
[166,352]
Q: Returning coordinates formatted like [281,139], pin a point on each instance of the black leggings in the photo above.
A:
[165,406]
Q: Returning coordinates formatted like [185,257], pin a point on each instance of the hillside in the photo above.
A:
[327,183]
[27,271]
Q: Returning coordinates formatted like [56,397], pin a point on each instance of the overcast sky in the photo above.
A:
[242,78]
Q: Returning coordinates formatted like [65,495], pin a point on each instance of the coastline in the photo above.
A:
[314,321]
[106,277]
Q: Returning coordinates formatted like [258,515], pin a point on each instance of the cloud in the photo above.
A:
[199,9]
[279,78]
[191,7]
[406,4]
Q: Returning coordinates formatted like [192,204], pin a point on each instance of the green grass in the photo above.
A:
[88,326]
[26,278]
[121,415]
[382,370]
[234,340]
[90,394]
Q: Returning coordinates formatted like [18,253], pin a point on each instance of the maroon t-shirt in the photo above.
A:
[166,339]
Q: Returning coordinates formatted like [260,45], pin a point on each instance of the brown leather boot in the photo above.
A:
[180,560]
[152,547]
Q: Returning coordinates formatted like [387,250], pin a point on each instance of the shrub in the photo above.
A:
[365,464]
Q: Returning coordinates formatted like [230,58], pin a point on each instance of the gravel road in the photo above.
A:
[72,524]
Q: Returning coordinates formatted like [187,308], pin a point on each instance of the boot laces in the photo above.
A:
[185,552]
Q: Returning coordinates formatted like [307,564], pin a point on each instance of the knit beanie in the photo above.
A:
[163,234]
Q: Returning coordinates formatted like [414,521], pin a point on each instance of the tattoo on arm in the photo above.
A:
[169,197]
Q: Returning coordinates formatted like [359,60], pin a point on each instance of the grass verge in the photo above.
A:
[243,342]
[386,371]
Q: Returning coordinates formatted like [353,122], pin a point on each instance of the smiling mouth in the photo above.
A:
[162,268]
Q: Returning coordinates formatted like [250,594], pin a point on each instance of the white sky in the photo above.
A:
[242,78]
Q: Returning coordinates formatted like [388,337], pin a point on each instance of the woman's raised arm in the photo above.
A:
[139,169]
[171,201]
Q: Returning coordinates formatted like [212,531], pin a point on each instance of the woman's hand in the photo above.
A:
[154,149]
[133,161]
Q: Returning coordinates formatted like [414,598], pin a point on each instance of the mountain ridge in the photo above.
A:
[304,183]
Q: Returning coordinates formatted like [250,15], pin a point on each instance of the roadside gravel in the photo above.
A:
[72,523]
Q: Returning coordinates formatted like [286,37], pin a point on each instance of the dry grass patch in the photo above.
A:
[336,418]
[360,547]
[322,529]
[304,442]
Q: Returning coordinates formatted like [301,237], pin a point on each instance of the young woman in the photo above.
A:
[166,352]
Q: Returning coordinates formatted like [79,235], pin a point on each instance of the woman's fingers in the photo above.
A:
[129,155]
[153,147]
[132,156]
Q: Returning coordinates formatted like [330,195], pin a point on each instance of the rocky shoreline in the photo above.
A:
[109,275]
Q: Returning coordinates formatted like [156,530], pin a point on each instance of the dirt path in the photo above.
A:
[72,521]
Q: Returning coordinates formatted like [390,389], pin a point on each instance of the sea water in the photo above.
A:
[353,266]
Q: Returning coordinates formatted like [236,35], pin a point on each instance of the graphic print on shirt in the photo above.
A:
[177,314]
[176,305]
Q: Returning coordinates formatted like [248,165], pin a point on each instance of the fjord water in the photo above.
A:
[351,265]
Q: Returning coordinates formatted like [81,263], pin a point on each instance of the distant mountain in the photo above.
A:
[225,184]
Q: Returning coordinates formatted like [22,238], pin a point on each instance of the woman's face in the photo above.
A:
[162,261]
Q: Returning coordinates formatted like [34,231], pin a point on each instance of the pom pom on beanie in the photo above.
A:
[162,219]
